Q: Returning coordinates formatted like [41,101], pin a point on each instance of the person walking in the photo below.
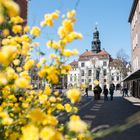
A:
[86,90]
[105,92]
[125,92]
[111,91]
[97,91]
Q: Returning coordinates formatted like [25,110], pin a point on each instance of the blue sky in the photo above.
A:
[111,16]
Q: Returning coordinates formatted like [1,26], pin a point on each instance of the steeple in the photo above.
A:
[96,44]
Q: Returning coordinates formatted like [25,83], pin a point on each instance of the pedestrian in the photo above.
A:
[86,91]
[105,92]
[97,90]
[125,92]
[111,91]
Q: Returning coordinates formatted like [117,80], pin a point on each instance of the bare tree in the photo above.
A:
[123,62]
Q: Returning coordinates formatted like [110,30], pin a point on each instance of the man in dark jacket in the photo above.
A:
[111,91]
[105,92]
[97,92]
[86,90]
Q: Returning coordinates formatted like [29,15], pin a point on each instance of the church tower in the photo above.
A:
[96,44]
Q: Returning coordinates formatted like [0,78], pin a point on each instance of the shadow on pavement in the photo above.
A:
[101,115]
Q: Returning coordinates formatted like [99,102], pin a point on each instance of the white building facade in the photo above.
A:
[93,65]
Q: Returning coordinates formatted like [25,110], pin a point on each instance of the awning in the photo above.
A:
[133,76]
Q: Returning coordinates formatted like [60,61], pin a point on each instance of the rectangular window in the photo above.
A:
[112,78]
[75,77]
[89,73]
[89,80]
[104,72]
[82,80]
[136,39]
[70,78]
[118,78]
[83,73]
[104,63]
[82,64]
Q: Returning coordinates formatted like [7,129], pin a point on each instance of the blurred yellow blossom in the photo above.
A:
[35,31]
[22,82]
[77,125]
[71,14]
[74,95]
[16,20]
[68,107]
[28,64]
[30,132]
[26,29]
[17,29]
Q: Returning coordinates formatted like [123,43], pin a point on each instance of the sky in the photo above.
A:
[110,15]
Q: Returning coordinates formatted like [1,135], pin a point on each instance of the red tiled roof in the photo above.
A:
[74,64]
[87,53]
[102,52]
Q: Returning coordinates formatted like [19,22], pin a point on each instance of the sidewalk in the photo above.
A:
[133,100]
[101,115]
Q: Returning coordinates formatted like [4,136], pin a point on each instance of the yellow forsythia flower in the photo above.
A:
[16,20]
[35,31]
[16,62]
[52,99]
[12,8]
[49,133]
[74,95]
[71,14]
[17,29]
[26,29]
[28,64]
[5,32]
[52,55]
[22,82]
[37,115]
[55,15]
[77,125]
[47,90]
[60,107]
[30,132]
[68,107]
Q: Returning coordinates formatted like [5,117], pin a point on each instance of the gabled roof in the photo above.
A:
[87,53]
[74,64]
[103,52]
[115,63]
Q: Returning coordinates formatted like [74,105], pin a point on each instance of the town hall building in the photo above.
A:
[93,65]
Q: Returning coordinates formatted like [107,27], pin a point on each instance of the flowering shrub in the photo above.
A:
[26,113]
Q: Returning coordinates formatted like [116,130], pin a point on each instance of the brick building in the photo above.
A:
[134,20]
[134,78]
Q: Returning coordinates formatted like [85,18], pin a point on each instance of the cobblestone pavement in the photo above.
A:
[101,115]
